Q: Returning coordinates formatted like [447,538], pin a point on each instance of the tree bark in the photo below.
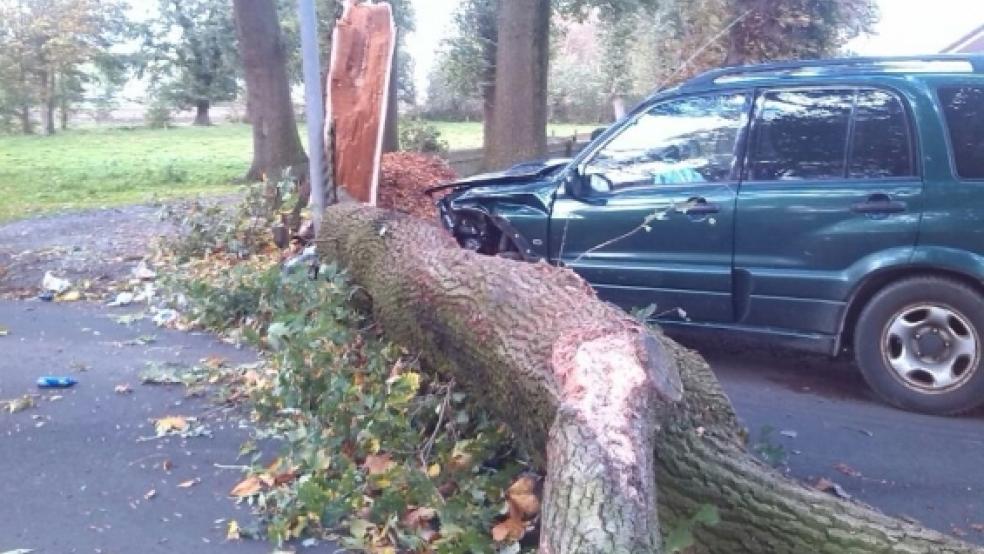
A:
[618,106]
[519,128]
[276,143]
[609,409]
[25,118]
[488,34]
[391,131]
[47,84]
[201,113]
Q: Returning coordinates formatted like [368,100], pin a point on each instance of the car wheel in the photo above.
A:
[919,345]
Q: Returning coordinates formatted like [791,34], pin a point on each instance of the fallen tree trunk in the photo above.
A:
[595,399]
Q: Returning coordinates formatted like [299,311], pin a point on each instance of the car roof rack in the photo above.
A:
[936,63]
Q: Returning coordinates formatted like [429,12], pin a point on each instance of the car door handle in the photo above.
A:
[700,206]
[879,204]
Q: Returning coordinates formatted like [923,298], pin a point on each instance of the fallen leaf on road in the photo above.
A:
[828,486]
[150,494]
[123,388]
[847,470]
[19,404]
[214,361]
[70,296]
[167,424]
[247,487]
[232,532]
[4,331]
[189,483]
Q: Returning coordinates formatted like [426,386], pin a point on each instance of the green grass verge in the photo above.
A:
[468,134]
[107,167]
[111,167]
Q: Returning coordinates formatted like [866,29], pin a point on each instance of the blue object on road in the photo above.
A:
[53,382]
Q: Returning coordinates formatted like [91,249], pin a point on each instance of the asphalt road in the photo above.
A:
[827,423]
[75,475]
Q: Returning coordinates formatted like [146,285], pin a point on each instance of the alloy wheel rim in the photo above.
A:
[931,347]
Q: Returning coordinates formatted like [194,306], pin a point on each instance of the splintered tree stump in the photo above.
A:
[625,423]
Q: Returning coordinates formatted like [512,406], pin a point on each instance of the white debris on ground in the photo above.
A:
[54,284]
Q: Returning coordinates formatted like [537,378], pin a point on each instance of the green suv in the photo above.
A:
[828,205]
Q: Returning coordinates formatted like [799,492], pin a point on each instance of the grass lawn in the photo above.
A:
[110,167]
[468,134]
[105,167]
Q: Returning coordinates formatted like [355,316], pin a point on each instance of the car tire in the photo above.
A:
[919,344]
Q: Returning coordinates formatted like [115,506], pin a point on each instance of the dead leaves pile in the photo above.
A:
[276,474]
[523,506]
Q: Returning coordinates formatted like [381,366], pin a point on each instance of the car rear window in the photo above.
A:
[964,110]
[880,146]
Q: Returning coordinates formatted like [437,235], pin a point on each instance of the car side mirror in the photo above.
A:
[598,184]
[592,188]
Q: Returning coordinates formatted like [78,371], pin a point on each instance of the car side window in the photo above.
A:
[881,146]
[801,134]
[687,140]
[830,134]
[964,110]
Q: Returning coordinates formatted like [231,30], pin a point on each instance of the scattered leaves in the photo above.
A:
[826,485]
[250,486]
[510,529]
[232,531]
[378,464]
[847,470]
[18,404]
[171,424]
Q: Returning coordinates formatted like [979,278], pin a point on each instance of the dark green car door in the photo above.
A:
[659,228]
[831,194]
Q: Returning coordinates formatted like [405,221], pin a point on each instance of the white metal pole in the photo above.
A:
[313,107]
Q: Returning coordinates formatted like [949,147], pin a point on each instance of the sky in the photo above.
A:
[905,27]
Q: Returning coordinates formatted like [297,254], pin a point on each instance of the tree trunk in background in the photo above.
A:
[25,118]
[63,109]
[391,132]
[618,106]
[532,343]
[201,113]
[519,126]
[488,34]
[488,119]
[47,83]
[276,143]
